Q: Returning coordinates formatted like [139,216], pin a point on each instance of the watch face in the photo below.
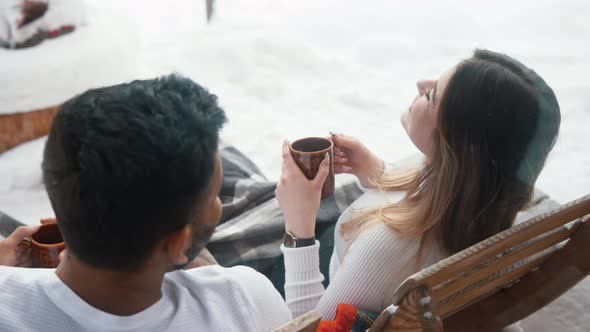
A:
[289,240]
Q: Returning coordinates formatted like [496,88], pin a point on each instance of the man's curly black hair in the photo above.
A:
[126,165]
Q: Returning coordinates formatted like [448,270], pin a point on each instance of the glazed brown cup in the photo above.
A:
[309,153]
[45,246]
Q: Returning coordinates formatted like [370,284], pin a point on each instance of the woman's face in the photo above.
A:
[419,120]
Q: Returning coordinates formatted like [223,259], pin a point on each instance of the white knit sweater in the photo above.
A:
[209,298]
[365,276]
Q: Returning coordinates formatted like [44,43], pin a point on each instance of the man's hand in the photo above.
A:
[13,252]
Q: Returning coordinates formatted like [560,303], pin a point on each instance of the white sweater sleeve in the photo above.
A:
[303,279]
[376,264]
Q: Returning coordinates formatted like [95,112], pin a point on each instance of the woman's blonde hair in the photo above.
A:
[496,123]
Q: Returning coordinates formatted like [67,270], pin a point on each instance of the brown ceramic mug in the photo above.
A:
[309,153]
[45,246]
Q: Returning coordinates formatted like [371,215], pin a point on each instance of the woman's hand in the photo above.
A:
[352,157]
[298,197]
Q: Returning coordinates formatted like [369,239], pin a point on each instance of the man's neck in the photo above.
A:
[117,293]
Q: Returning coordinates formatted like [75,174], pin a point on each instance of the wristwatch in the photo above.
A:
[291,241]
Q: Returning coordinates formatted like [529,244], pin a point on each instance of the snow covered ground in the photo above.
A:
[286,68]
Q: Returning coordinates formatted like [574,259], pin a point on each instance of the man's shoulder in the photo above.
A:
[18,282]
[262,303]
[225,271]
[21,275]
[248,294]
[218,277]
[22,289]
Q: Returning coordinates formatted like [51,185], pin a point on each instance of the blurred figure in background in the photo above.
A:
[26,23]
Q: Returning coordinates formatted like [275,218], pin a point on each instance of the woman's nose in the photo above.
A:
[420,87]
[424,85]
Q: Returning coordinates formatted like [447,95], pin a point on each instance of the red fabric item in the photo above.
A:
[345,317]
[327,326]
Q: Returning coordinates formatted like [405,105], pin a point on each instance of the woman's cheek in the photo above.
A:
[404,119]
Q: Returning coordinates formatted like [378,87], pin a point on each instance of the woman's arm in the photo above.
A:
[299,200]
[374,266]
[303,279]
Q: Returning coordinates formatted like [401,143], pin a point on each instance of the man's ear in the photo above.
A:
[176,245]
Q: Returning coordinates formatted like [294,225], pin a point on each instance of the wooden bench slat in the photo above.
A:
[487,289]
[501,242]
[498,264]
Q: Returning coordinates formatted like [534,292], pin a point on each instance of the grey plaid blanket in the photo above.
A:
[252,225]
[7,224]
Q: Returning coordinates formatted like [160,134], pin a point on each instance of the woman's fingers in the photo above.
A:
[343,145]
[340,160]
[343,141]
[342,169]
[322,172]
[340,152]
[287,157]
[290,164]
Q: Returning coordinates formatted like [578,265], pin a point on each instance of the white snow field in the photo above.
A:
[296,68]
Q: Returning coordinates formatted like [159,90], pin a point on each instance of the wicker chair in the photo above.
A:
[496,282]
[22,127]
